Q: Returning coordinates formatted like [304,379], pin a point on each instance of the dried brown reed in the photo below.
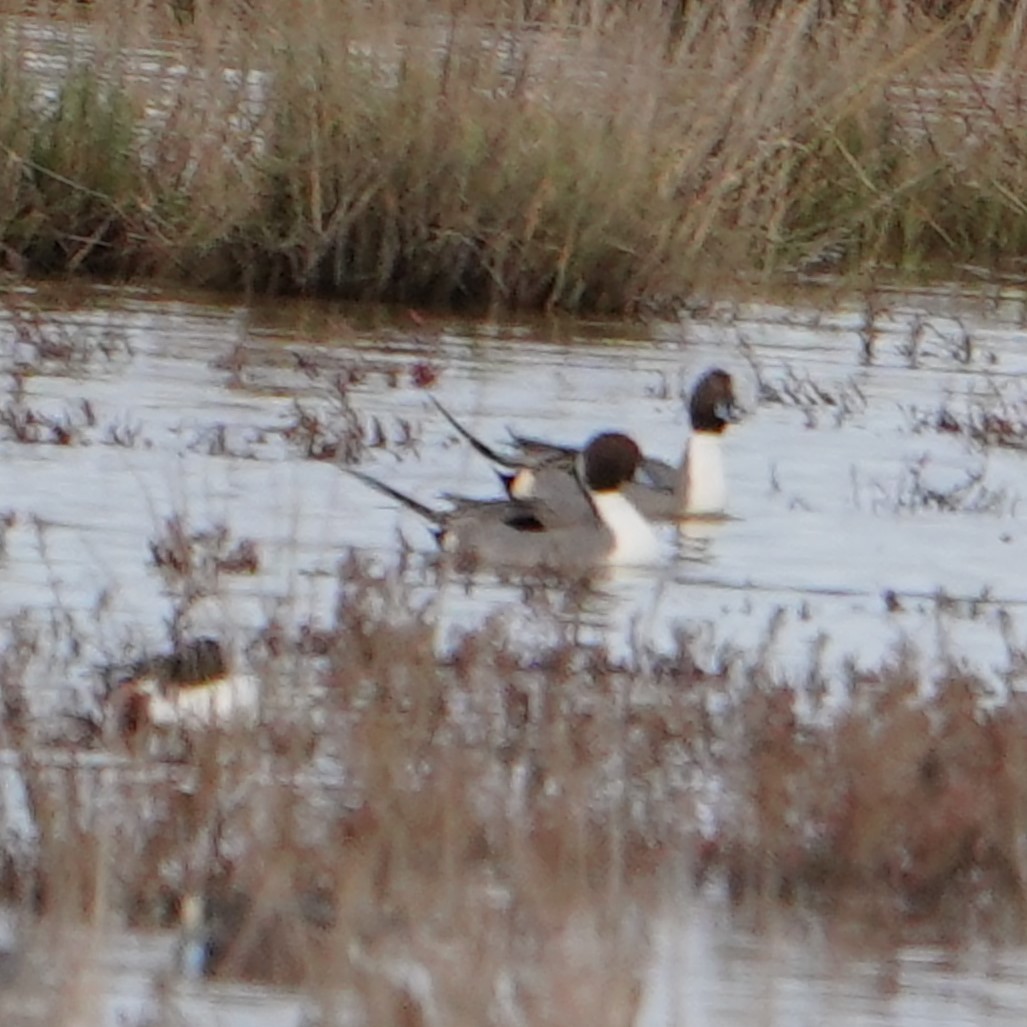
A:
[902,816]
[393,811]
[482,835]
[606,157]
[996,418]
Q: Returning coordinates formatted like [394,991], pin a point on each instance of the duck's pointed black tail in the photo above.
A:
[433,516]
[482,447]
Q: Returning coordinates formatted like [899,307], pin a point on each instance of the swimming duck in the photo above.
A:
[697,488]
[190,687]
[528,533]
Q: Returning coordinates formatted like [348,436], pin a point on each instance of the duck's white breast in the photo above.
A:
[634,540]
[704,485]
[227,700]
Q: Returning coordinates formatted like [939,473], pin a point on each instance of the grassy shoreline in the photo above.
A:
[468,158]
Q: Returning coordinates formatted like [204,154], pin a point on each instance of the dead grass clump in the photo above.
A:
[73,425]
[40,341]
[54,850]
[337,432]
[903,813]
[993,419]
[435,814]
[81,183]
[449,185]
[195,559]
[924,486]
[404,810]
[813,398]
[915,492]
[21,423]
[610,159]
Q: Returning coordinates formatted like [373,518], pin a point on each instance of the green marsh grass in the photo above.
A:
[606,158]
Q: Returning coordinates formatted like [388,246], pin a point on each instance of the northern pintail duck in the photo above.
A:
[697,488]
[527,533]
[191,687]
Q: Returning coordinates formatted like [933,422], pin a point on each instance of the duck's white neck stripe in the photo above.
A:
[634,540]
[704,487]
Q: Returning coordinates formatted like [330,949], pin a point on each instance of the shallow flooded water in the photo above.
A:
[843,488]
[871,500]
[706,972]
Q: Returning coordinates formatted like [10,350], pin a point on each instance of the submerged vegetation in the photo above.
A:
[601,157]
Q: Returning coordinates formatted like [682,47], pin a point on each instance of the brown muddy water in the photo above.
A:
[875,494]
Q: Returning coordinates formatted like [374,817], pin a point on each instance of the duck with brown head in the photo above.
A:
[609,530]
[540,470]
[190,687]
[701,486]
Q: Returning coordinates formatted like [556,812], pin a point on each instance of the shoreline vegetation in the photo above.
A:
[588,158]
